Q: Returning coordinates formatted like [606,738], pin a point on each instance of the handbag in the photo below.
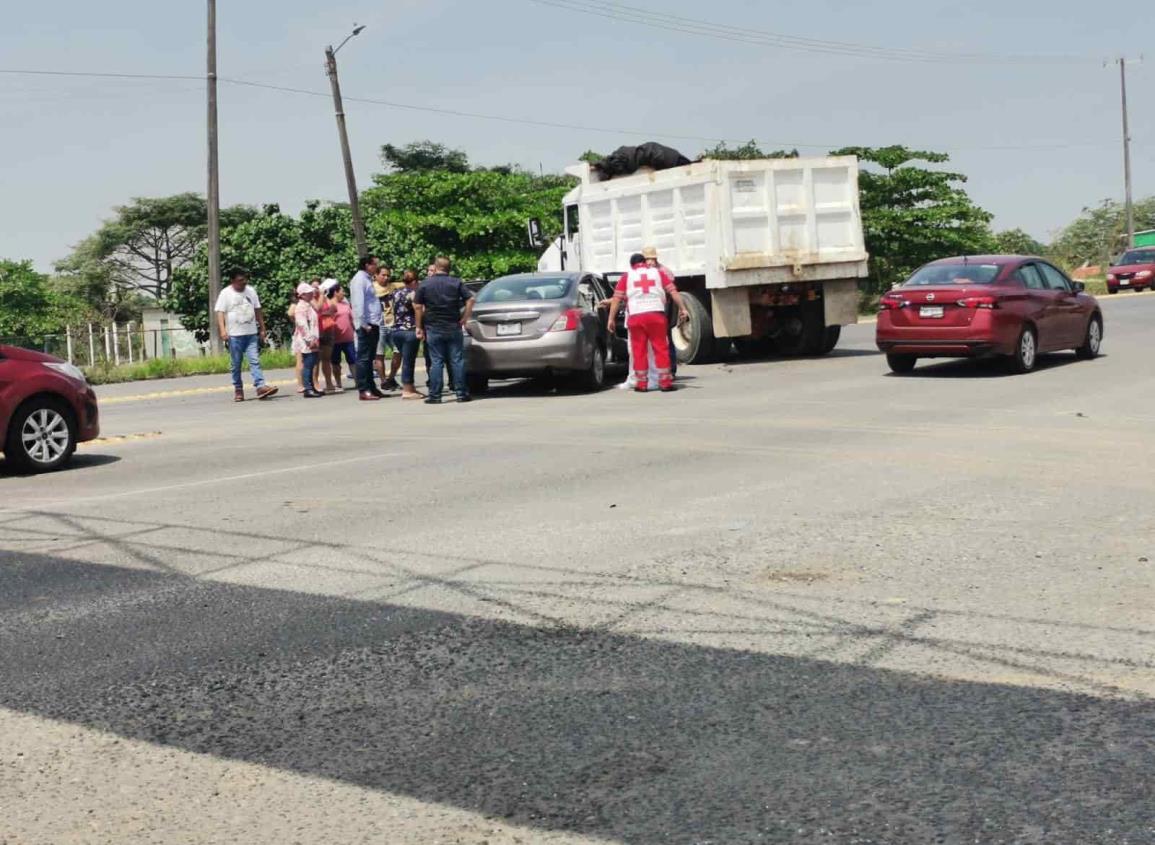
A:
[328,324]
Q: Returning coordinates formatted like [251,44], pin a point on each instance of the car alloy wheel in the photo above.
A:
[1094,337]
[1092,341]
[45,437]
[1026,351]
[595,377]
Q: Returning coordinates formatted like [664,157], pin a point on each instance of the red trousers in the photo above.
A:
[648,330]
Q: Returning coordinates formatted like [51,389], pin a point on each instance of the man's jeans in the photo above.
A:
[246,346]
[366,349]
[446,346]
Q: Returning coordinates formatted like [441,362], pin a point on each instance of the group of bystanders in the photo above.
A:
[375,320]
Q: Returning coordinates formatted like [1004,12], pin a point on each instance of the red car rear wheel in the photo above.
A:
[901,364]
[1026,352]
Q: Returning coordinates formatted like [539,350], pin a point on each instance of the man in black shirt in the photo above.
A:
[440,320]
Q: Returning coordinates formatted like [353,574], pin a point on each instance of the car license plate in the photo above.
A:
[506,329]
[933,312]
[1124,281]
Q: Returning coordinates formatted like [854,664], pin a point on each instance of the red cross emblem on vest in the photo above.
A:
[645,283]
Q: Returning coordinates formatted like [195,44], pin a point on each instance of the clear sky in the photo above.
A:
[72,148]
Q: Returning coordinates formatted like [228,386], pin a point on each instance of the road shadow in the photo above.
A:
[736,360]
[80,461]
[632,739]
[963,368]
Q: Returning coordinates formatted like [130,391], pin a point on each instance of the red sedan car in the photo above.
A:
[46,408]
[1135,270]
[987,305]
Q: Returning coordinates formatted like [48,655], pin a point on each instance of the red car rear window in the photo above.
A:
[954,274]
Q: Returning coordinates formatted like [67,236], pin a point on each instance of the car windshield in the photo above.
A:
[1137,256]
[522,288]
[954,274]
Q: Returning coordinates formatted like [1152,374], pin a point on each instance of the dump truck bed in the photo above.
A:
[736,223]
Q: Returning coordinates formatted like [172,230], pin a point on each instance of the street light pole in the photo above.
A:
[346,155]
[1126,156]
[214,185]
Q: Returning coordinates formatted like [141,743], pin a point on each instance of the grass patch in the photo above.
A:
[271,359]
[1096,285]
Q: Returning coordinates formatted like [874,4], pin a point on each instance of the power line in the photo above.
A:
[499,118]
[638,132]
[648,133]
[97,75]
[676,23]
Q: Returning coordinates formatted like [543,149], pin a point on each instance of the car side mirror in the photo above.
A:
[1078,287]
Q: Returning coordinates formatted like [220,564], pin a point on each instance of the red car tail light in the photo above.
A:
[978,302]
[567,322]
[890,303]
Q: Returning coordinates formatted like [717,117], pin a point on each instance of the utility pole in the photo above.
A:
[350,178]
[214,186]
[1126,156]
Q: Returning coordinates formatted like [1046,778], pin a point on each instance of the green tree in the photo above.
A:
[912,215]
[423,156]
[1099,233]
[279,251]
[144,244]
[418,210]
[477,218]
[749,150]
[1017,242]
[30,307]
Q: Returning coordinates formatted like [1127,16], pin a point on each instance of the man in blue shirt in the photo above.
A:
[443,305]
[367,316]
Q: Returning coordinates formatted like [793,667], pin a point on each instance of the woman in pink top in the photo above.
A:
[307,337]
[326,313]
[343,332]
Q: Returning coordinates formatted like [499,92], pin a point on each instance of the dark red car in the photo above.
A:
[1135,270]
[987,305]
[46,408]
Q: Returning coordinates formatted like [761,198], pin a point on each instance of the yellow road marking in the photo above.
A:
[204,391]
[190,391]
[121,438]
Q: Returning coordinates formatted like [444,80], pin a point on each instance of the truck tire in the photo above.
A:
[829,340]
[754,348]
[694,340]
[803,330]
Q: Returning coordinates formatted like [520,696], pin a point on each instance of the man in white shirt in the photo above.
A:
[242,326]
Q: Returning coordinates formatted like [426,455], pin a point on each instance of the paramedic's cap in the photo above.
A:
[637,258]
[649,252]
[329,284]
[304,288]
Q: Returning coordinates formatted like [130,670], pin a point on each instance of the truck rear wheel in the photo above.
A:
[829,340]
[694,339]
[753,348]
[802,330]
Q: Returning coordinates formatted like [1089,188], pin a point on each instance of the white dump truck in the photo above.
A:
[767,252]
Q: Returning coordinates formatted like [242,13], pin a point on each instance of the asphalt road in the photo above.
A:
[797,601]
